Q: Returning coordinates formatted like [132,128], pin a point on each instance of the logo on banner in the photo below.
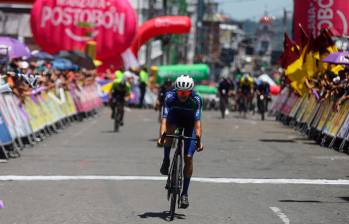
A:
[325,14]
[84,13]
[344,59]
[69,24]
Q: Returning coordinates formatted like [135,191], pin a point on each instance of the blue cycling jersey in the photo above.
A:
[189,110]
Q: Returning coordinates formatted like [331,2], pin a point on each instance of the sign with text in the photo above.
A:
[70,24]
[315,15]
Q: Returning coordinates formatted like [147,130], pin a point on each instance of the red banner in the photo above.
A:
[160,26]
[70,24]
[315,15]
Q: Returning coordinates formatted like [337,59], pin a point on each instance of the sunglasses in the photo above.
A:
[183,92]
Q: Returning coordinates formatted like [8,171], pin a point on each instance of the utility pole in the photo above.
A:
[151,14]
[199,27]
[165,5]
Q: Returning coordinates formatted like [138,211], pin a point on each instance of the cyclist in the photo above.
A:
[119,93]
[182,109]
[263,88]
[164,88]
[224,89]
[246,91]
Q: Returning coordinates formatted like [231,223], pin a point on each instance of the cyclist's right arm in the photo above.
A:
[111,92]
[163,124]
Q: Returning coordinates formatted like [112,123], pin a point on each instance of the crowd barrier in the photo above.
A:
[41,112]
[317,120]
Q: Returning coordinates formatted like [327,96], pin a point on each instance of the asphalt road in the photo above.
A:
[271,175]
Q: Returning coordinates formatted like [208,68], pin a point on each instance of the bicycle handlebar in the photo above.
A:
[180,137]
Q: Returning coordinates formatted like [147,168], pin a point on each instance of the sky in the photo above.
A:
[254,9]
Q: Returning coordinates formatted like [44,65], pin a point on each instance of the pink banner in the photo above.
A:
[315,15]
[70,24]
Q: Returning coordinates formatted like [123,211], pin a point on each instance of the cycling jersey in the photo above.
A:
[224,87]
[182,113]
[120,92]
[246,85]
[263,88]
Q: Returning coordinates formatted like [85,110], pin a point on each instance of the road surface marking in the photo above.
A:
[280,214]
[332,157]
[196,179]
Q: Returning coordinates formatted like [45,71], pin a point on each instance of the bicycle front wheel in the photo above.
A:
[175,174]
[175,182]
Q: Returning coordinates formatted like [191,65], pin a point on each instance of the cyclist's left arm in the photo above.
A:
[128,92]
[197,125]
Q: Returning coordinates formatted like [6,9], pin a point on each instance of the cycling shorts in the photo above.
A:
[188,126]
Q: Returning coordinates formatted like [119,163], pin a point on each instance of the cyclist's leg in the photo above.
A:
[121,111]
[171,128]
[189,150]
[112,107]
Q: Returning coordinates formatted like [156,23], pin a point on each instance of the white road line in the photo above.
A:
[196,179]
[280,214]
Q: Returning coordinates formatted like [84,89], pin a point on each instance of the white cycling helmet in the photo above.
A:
[184,82]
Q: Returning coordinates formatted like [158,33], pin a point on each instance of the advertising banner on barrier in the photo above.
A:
[339,119]
[5,136]
[331,117]
[7,117]
[20,123]
[315,15]
[286,109]
[42,109]
[309,110]
[325,115]
[303,107]
[103,95]
[317,115]
[344,129]
[296,107]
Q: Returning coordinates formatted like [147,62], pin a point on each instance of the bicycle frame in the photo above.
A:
[175,175]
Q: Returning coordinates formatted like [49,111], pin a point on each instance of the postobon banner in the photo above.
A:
[110,23]
[315,15]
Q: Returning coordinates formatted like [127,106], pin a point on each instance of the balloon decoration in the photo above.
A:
[160,26]
[274,88]
[69,25]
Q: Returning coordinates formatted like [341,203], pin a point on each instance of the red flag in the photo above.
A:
[323,41]
[291,52]
[304,38]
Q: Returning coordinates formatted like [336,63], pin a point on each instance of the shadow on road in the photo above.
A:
[279,132]
[107,132]
[344,199]
[302,139]
[161,215]
[277,140]
[153,140]
[301,201]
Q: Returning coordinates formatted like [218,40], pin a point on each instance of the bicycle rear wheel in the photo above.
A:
[222,107]
[116,121]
